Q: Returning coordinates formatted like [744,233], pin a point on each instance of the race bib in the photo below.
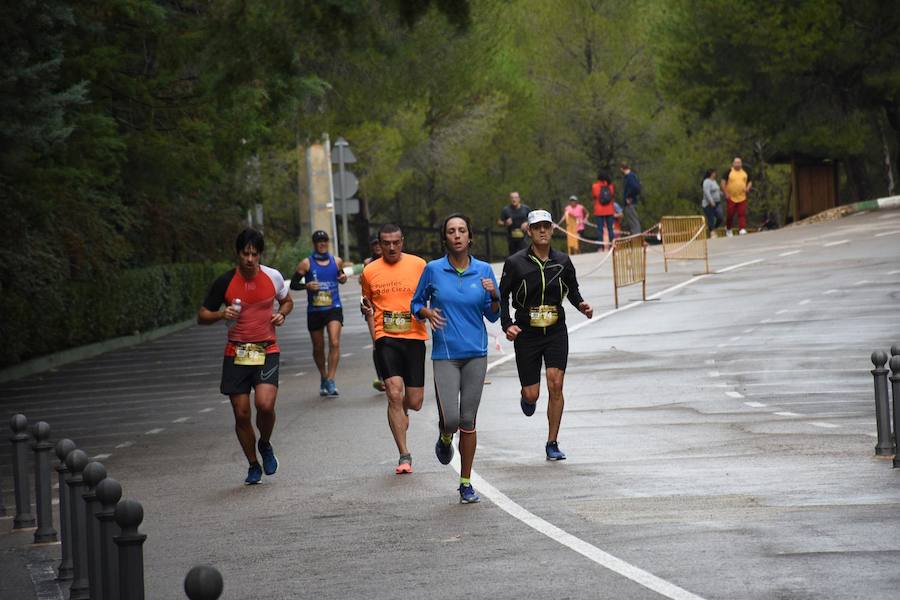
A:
[249,355]
[397,322]
[517,233]
[544,315]
[322,298]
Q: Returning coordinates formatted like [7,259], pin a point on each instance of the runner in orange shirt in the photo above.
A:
[388,286]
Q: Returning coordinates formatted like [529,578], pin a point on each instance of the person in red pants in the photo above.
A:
[737,186]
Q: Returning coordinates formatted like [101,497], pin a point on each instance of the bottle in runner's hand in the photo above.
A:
[236,305]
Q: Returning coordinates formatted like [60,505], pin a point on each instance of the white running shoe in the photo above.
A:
[728,233]
[742,232]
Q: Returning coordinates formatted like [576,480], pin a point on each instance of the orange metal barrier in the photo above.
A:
[684,238]
[629,260]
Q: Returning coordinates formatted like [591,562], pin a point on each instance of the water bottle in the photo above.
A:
[236,305]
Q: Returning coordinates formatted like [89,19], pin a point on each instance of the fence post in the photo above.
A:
[895,389]
[76,461]
[109,492]
[24,519]
[203,583]
[94,473]
[43,495]
[129,514]
[64,571]
[883,447]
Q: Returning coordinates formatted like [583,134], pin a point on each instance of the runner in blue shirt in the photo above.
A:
[454,294]
[320,275]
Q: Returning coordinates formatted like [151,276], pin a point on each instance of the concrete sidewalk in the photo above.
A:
[29,571]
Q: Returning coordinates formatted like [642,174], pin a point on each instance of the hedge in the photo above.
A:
[74,313]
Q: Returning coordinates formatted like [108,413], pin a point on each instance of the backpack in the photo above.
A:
[605,194]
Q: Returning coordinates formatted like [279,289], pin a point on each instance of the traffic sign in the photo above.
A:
[350,185]
[352,205]
[342,152]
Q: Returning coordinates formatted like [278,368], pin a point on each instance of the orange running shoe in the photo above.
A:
[405,464]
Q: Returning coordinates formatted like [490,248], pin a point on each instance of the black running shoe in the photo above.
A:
[444,452]
[527,407]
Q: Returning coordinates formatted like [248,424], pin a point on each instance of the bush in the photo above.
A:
[74,313]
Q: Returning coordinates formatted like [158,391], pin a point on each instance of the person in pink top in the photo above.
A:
[575,217]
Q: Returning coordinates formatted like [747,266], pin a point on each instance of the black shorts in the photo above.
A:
[399,357]
[240,379]
[534,346]
[317,320]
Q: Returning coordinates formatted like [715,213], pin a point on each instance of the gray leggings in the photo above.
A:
[457,386]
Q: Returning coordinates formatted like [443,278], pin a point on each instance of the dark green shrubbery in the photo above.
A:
[74,313]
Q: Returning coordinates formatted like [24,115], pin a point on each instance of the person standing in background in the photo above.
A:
[604,194]
[575,216]
[737,186]
[711,203]
[514,217]
[631,193]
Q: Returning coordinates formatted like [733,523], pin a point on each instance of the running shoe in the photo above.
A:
[269,461]
[378,385]
[332,388]
[742,232]
[404,465]
[467,494]
[553,451]
[254,474]
[323,387]
[527,407]
[728,233]
[444,452]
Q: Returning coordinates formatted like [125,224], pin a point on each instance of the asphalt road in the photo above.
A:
[720,441]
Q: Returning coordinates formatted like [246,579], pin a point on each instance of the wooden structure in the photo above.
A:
[629,264]
[814,186]
[684,238]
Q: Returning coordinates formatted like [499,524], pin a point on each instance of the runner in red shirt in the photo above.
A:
[249,294]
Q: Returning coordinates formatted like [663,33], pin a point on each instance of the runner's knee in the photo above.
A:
[531,393]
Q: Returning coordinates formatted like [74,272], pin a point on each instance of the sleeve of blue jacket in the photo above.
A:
[423,292]
[489,313]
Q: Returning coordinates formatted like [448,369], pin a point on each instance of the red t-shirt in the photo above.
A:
[603,210]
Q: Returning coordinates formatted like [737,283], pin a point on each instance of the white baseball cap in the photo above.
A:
[539,216]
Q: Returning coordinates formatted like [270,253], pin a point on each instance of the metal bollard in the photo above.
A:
[24,519]
[43,497]
[129,514]
[895,391]
[884,447]
[93,474]
[109,492]
[203,583]
[76,461]
[64,571]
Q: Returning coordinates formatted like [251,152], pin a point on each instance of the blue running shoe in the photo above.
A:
[527,407]
[553,451]
[444,452]
[467,494]
[323,387]
[254,474]
[270,462]
[332,388]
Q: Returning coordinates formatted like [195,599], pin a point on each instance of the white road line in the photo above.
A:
[205,410]
[831,291]
[755,404]
[785,413]
[897,272]
[367,347]
[782,311]
[346,355]
[764,321]
[721,345]
[733,394]
[181,420]
[838,243]
[125,445]
[740,265]
[712,373]
[749,330]
[815,393]
[101,457]
[791,253]
[735,338]
[823,424]
[224,401]
[861,282]
[589,551]
[887,233]
[154,431]
[710,361]
[805,301]
[889,216]
[300,373]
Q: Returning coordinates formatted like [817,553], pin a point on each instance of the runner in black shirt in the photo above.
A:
[515,217]
[538,279]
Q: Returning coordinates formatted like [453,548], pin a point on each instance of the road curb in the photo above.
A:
[45,363]
[890,202]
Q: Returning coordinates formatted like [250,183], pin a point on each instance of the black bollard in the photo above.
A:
[2,505]
[895,391]
[24,519]
[203,583]
[109,492]
[93,474]
[43,496]
[884,447]
[129,514]
[64,571]
[76,461]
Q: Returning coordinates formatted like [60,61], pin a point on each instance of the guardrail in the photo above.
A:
[629,258]
[684,238]
[102,555]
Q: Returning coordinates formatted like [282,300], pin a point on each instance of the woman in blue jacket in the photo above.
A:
[454,294]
